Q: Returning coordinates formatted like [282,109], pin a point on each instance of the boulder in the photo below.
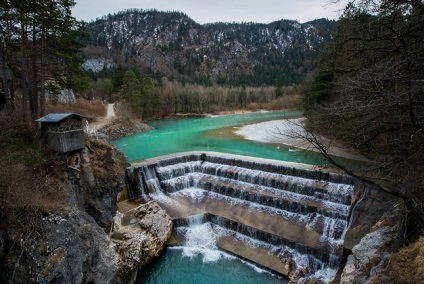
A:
[137,243]
[121,128]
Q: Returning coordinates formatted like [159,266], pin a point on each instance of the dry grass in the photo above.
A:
[289,102]
[29,181]
[93,108]
[407,266]
[107,163]
[286,102]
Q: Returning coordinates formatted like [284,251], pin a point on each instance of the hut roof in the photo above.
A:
[58,117]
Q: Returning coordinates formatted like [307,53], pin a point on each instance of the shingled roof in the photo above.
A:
[58,117]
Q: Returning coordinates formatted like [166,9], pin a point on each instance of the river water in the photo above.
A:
[208,134]
[174,267]
[211,134]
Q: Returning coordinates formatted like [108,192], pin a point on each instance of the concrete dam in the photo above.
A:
[293,219]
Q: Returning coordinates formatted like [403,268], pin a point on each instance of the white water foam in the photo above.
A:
[161,197]
[326,273]
[201,239]
[255,207]
[194,194]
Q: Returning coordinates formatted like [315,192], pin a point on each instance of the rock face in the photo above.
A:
[369,258]
[72,245]
[140,237]
[73,249]
[370,205]
[63,96]
[96,178]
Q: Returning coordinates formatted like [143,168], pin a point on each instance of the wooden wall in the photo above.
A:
[66,141]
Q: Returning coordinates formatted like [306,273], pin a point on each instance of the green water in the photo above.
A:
[203,134]
[174,267]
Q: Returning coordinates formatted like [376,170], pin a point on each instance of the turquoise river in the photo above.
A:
[211,134]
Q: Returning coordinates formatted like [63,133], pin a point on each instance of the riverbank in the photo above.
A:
[114,127]
[119,128]
[287,132]
[292,133]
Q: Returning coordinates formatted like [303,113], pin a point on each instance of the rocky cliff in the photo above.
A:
[369,260]
[73,244]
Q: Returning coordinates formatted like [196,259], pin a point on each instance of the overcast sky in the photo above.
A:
[209,11]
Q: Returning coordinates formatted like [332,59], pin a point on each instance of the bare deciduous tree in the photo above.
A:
[369,92]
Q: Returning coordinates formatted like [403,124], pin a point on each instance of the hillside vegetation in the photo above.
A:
[163,63]
[30,177]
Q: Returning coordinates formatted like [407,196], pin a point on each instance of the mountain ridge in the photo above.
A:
[172,45]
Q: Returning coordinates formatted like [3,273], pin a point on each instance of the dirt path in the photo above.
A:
[110,110]
[102,121]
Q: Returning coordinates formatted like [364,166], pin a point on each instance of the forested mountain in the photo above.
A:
[170,44]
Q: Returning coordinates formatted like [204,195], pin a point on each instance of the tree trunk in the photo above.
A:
[24,64]
[43,79]
[34,85]
[5,81]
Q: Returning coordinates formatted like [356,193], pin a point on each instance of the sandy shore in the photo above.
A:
[235,112]
[289,132]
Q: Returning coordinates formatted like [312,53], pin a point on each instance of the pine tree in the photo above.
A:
[47,37]
[131,92]
[7,21]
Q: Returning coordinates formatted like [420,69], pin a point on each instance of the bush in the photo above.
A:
[407,266]
[29,179]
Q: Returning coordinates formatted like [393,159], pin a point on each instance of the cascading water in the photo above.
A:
[202,233]
[200,239]
[296,214]
[150,179]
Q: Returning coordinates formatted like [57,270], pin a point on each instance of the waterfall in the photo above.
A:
[200,239]
[150,179]
[202,232]
[297,213]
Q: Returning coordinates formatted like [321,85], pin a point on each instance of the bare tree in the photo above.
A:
[368,92]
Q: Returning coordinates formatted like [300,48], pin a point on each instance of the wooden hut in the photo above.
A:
[64,131]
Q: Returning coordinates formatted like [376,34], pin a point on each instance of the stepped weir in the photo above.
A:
[290,218]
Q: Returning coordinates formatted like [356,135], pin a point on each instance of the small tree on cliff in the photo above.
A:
[132,93]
